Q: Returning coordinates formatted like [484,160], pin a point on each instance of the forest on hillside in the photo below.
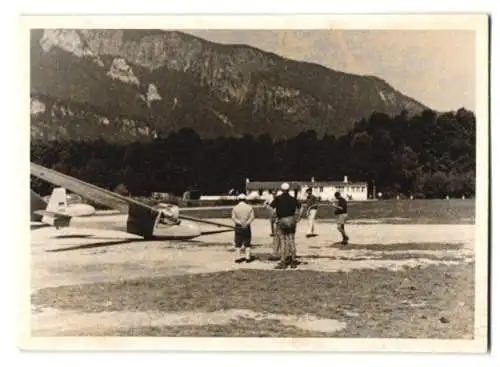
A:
[428,155]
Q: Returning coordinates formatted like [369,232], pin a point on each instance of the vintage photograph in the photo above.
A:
[323,182]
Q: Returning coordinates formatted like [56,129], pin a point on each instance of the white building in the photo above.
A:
[324,189]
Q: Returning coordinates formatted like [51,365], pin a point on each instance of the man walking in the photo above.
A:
[311,204]
[286,212]
[243,215]
[341,214]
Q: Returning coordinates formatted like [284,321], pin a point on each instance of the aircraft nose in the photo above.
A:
[83,210]
[89,209]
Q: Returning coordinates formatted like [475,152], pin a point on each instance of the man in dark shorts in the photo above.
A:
[341,216]
[242,215]
[286,207]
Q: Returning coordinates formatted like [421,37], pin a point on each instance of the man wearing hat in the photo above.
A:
[311,204]
[286,207]
[242,215]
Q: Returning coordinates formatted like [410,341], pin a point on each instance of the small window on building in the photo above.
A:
[321,189]
[261,192]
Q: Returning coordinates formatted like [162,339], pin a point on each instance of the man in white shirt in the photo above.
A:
[311,208]
[243,215]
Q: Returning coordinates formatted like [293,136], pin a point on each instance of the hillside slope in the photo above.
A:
[128,85]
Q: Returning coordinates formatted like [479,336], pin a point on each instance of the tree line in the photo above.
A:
[429,155]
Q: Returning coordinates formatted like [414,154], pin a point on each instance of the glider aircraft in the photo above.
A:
[150,223]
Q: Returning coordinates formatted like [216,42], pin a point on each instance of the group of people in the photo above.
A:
[285,213]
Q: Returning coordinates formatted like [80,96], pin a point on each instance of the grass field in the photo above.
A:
[384,211]
[431,302]
[412,279]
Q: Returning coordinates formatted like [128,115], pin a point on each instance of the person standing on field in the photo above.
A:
[273,222]
[243,215]
[311,208]
[341,215]
[272,214]
[286,212]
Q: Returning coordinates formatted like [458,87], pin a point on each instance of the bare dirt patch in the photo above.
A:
[71,322]
[408,246]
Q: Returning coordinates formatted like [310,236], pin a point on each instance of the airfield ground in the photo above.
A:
[394,280]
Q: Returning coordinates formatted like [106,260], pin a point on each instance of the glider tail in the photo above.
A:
[57,205]
[53,213]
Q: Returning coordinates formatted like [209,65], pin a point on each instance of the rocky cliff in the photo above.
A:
[127,85]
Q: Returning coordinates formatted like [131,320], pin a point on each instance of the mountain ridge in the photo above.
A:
[166,80]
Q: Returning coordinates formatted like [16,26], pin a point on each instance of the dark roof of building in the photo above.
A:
[274,185]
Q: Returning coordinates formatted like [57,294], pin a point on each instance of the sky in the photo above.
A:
[435,67]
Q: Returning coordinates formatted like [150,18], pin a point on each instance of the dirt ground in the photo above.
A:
[392,281]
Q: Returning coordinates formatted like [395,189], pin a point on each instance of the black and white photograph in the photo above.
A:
[253,183]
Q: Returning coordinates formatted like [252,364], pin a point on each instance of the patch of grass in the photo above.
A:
[387,211]
[375,295]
